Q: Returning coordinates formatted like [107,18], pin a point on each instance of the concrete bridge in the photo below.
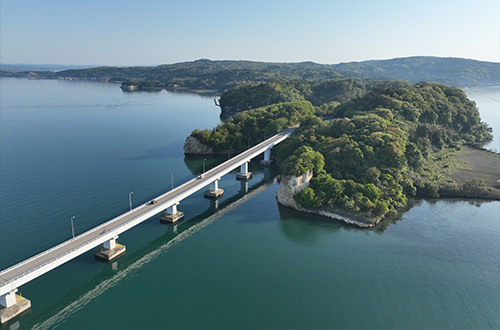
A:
[12,304]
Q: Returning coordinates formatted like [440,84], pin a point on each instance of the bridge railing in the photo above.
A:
[109,233]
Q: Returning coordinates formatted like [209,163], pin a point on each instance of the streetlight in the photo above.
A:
[72,227]
[249,142]
[204,165]
[130,199]
[229,153]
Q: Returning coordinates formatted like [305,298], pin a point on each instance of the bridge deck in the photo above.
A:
[25,271]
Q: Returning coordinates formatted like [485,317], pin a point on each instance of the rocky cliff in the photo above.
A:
[193,146]
[290,185]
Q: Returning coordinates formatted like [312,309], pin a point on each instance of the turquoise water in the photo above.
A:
[72,148]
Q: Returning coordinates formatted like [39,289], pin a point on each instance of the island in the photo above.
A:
[362,148]
[207,76]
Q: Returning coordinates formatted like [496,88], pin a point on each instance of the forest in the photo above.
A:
[218,76]
[325,94]
[367,161]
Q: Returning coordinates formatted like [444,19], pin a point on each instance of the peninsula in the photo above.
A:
[387,142]
[217,76]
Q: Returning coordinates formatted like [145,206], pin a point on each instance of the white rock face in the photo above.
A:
[193,146]
[289,186]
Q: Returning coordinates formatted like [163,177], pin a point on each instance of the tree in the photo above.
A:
[306,198]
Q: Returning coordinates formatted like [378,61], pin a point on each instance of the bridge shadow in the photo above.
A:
[113,272]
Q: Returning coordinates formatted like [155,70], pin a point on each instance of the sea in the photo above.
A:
[86,149]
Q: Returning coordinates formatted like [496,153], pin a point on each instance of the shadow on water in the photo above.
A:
[306,229]
[303,228]
[300,228]
[112,273]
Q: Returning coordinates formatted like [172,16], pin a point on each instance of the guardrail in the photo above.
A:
[178,195]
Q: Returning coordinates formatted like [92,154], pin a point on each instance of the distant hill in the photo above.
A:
[457,72]
[200,74]
[41,67]
[222,75]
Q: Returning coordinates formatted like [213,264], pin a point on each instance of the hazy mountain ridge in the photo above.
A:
[221,75]
[458,72]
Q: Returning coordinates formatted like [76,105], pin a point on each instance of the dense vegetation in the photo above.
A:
[200,74]
[222,75]
[253,126]
[370,159]
[326,94]
[372,156]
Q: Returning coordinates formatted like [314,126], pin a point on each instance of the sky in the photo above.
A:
[153,32]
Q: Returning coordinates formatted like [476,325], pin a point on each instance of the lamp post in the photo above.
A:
[249,142]
[204,165]
[72,227]
[229,153]
[130,199]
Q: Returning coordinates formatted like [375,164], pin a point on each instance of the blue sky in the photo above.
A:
[109,32]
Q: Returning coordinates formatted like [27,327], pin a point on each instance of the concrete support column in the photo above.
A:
[11,305]
[8,299]
[244,168]
[111,244]
[110,250]
[172,209]
[267,157]
[214,185]
[172,215]
[244,174]
[214,191]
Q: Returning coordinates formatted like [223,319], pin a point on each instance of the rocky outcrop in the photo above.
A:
[290,185]
[193,146]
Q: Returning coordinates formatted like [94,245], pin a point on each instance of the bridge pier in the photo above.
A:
[267,158]
[110,250]
[214,191]
[172,215]
[11,305]
[244,174]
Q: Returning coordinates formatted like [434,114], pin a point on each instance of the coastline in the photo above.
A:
[456,169]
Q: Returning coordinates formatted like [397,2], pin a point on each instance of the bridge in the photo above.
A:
[12,304]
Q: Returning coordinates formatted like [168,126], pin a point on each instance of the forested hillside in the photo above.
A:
[326,94]
[200,74]
[370,159]
[221,75]
[253,126]
[457,72]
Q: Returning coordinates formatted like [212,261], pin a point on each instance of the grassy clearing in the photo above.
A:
[463,172]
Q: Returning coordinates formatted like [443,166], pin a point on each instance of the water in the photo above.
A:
[78,148]
[488,101]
